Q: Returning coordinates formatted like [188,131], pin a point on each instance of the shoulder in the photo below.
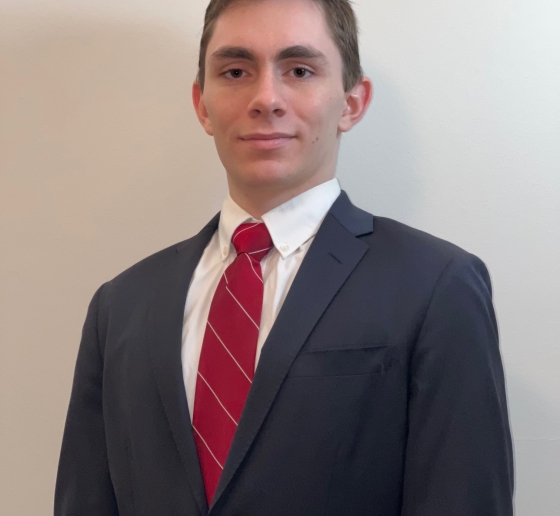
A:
[417,256]
[393,242]
[131,289]
[142,270]
[401,237]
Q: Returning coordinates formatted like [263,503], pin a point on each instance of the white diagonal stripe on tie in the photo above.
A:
[208,447]
[256,325]
[216,396]
[251,262]
[261,250]
[229,352]
[250,227]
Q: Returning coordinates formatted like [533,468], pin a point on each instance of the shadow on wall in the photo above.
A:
[383,146]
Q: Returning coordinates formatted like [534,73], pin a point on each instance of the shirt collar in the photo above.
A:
[290,225]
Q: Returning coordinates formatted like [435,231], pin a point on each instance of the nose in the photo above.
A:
[267,98]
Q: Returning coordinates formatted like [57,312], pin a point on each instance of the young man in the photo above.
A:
[298,356]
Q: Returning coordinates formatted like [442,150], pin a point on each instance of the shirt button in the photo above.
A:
[225,250]
[284,248]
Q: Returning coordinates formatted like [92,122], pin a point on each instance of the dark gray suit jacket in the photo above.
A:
[379,391]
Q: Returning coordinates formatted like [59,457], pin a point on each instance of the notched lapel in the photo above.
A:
[332,257]
[165,326]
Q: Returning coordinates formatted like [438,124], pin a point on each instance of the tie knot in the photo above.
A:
[252,238]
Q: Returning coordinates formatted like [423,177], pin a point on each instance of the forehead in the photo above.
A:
[266,26]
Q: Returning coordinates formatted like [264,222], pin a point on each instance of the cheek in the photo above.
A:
[222,114]
[321,114]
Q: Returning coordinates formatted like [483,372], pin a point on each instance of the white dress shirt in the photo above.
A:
[292,226]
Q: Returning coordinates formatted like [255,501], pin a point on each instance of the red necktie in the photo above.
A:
[227,359]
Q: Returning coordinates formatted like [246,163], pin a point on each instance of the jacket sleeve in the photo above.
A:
[83,484]
[459,459]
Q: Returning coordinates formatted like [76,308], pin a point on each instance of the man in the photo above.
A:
[298,356]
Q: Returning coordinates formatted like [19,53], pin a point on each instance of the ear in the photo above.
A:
[200,108]
[357,102]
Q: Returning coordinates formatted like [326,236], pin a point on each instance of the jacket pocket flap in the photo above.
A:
[341,361]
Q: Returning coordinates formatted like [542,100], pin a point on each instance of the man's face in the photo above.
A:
[272,67]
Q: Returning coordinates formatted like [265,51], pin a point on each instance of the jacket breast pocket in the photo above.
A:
[372,359]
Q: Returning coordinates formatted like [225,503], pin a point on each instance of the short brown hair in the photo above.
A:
[341,21]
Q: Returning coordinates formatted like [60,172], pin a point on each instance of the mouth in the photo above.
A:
[267,141]
[274,143]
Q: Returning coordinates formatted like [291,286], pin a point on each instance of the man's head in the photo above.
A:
[279,66]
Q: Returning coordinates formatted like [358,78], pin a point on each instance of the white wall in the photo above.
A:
[102,162]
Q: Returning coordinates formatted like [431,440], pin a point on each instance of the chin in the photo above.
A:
[266,175]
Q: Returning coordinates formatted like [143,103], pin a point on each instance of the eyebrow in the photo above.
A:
[293,52]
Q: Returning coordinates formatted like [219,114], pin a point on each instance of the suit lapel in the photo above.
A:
[165,325]
[331,258]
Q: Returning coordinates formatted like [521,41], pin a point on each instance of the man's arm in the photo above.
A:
[459,454]
[83,484]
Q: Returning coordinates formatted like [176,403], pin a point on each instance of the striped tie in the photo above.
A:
[227,359]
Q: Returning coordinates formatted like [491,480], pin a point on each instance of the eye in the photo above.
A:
[235,73]
[300,72]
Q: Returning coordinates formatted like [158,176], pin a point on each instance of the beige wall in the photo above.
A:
[103,162]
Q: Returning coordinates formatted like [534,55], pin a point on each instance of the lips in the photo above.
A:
[267,141]
[264,136]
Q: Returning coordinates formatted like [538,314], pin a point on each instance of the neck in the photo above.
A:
[259,200]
